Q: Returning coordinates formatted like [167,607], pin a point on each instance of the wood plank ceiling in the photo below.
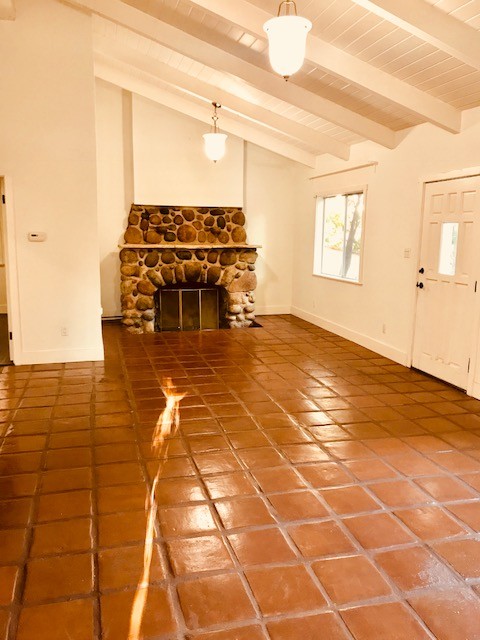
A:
[374,67]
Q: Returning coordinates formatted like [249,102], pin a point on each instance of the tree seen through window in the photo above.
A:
[338,236]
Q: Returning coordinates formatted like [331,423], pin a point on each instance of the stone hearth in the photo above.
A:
[168,246]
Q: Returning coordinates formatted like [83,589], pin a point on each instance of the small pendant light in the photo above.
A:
[215,141]
[287,38]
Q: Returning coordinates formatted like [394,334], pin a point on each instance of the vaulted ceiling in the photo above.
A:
[374,67]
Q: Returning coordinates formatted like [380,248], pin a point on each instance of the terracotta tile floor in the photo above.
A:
[314,491]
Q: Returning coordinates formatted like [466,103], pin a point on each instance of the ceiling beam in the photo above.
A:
[230,102]
[7,10]
[431,25]
[131,79]
[217,58]
[333,60]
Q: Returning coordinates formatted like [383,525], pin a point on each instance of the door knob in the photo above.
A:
[421,270]
[420,285]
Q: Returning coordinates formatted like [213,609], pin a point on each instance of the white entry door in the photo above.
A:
[448,268]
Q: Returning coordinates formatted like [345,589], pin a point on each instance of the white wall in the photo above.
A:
[271,197]
[115,185]
[393,220]
[265,182]
[170,165]
[47,148]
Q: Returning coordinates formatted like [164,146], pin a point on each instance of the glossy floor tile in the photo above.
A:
[314,490]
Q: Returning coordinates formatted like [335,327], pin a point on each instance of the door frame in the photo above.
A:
[11,268]
[471,172]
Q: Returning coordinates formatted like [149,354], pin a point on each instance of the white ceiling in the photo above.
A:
[373,68]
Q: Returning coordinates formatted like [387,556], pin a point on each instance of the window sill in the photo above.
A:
[337,279]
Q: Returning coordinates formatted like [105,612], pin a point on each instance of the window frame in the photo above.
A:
[329,194]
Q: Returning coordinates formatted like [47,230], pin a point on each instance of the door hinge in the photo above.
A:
[3,198]
[468,366]
[475,286]
[10,335]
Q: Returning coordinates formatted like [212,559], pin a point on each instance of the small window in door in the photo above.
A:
[448,249]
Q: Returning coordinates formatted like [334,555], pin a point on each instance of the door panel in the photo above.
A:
[444,318]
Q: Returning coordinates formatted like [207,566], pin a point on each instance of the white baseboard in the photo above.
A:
[272,311]
[385,350]
[61,355]
[475,390]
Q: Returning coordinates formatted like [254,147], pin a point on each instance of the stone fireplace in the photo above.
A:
[177,247]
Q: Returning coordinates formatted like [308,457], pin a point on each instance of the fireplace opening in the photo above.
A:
[190,307]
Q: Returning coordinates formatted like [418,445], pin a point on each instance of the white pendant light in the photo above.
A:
[215,141]
[287,38]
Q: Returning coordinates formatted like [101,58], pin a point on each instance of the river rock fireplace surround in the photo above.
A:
[168,247]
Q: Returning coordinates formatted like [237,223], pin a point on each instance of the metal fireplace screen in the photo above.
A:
[187,309]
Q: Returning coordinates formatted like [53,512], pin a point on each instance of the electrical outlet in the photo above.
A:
[63,331]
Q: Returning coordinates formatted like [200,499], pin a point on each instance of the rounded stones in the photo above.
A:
[247,282]
[152,258]
[147,269]
[148,315]
[192,271]
[238,218]
[153,237]
[179,273]
[184,255]
[213,274]
[227,258]
[212,256]
[144,303]
[186,233]
[188,214]
[239,235]
[167,274]
[155,278]
[133,235]
[146,287]
[249,257]
[209,221]
[168,257]
[156,225]
[223,237]
[130,270]
[127,255]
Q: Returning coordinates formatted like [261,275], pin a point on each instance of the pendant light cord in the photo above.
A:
[288,6]
[216,106]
